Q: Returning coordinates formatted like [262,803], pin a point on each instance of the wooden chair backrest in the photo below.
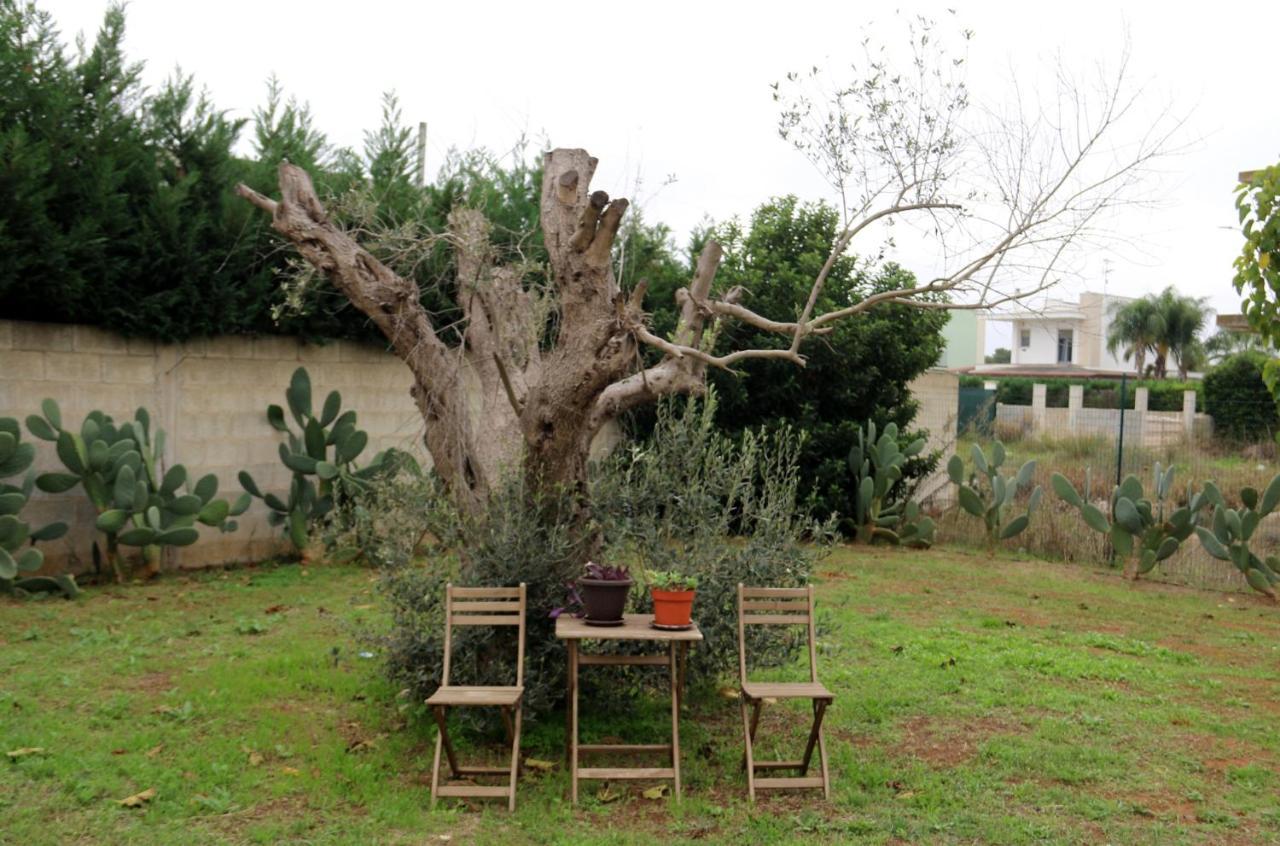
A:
[484,606]
[775,607]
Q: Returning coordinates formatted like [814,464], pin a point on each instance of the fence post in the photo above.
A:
[1141,403]
[1075,402]
[1124,385]
[1038,415]
[1189,414]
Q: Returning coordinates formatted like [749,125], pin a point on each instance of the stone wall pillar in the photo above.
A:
[1075,402]
[1038,406]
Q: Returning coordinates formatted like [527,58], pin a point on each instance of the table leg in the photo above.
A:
[569,688]
[573,720]
[675,721]
[684,663]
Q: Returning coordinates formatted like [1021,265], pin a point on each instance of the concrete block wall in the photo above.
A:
[938,393]
[210,396]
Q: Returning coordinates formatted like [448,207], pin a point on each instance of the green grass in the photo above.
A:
[978,701]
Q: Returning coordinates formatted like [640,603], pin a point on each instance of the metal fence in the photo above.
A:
[1097,441]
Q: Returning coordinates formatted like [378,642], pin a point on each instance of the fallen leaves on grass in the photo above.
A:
[659,792]
[607,794]
[25,752]
[539,765]
[362,744]
[290,771]
[275,609]
[155,750]
[137,800]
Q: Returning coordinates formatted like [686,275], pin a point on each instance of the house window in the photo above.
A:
[1024,338]
[1064,346]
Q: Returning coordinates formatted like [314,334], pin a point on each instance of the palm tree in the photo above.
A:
[1183,318]
[1136,326]
[1227,342]
[1165,325]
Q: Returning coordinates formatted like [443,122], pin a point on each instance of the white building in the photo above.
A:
[1067,335]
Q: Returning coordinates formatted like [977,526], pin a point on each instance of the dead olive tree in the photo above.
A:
[1004,199]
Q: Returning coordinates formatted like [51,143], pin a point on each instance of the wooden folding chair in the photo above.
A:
[781,607]
[476,606]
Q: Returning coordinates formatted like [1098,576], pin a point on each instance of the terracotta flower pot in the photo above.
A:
[672,607]
[604,600]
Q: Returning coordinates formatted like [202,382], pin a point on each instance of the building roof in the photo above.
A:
[1042,371]
[1234,323]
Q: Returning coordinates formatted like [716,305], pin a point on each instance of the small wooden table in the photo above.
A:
[634,627]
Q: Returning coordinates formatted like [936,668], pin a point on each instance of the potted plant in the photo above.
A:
[602,590]
[672,594]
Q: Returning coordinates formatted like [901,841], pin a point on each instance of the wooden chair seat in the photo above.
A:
[786,690]
[475,695]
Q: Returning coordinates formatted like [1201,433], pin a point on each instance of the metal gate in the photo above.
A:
[977,411]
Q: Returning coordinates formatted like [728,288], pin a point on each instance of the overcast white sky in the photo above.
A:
[682,89]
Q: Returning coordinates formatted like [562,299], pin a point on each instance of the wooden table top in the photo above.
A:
[634,627]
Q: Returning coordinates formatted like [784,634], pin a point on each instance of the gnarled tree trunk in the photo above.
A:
[504,401]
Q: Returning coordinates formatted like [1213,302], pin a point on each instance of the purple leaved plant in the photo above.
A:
[606,572]
[599,572]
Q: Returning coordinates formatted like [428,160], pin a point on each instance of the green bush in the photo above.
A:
[669,503]
[1238,399]
[674,501]
[511,544]
[1162,394]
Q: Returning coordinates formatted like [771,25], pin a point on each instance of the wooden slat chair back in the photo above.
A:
[480,606]
[772,606]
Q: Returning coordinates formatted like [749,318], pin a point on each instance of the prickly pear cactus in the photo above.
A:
[121,469]
[19,556]
[1142,532]
[1228,536]
[877,465]
[321,456]
[990,496]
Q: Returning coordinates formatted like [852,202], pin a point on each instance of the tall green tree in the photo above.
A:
[859,371]
[1134,330]
[1166,326]
[1257,276]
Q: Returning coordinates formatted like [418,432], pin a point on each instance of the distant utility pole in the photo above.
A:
[422,154]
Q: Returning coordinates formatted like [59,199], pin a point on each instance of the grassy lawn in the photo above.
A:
[978,701]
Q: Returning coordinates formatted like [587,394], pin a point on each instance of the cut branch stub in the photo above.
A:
[588,222]
[602,243]
[567,187]
[563,199]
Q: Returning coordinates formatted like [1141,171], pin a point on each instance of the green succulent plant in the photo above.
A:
[877,464]
[19,556]
[1142,531]
[1228,536]
[321,456]
[990,496]
[139,503]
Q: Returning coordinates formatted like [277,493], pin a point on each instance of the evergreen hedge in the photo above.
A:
[1163,395]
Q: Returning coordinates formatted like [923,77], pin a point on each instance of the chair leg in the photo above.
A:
[515,758]
[748,759]
[819,709]
[826,775]
[755,723]
[448,746]
[435,769]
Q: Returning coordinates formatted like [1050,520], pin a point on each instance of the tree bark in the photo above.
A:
[504,401]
